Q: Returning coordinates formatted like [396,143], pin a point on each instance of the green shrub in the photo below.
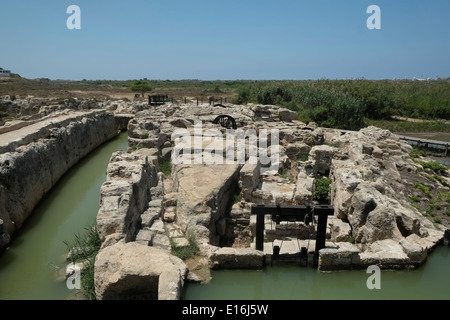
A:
[348,113]
[141,86]
[413,199]
[237,198]
[243,96]
[434,165]
[437,220]
[166,167]
[418,152]
[441,180]
[185,253]
[322,190]
[320,114]
[84,249]
[426,190]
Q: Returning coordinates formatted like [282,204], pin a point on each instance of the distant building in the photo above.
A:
[4,73]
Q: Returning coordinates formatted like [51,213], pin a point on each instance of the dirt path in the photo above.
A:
[111,94]
[437,136]
[417,120]
[19,135]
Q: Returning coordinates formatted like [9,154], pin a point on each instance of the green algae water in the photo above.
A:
[34,265]
[429,282]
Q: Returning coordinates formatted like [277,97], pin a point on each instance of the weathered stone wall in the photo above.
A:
[132,271]
[122,120]
[31,167]
[125,194]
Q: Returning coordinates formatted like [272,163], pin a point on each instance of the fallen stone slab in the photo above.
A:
[132,271]
[236,258]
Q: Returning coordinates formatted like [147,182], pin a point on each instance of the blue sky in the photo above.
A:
[226,40]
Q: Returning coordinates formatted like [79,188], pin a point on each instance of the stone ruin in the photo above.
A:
[144,212]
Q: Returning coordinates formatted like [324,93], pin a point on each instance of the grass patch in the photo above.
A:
[437,220]
[414,199]
[418,152]
[166,167]
[441,180]
[443,196]
[426,190]
[410,126]
[237,198]
[185,252]
[84,249]
[433,165]
[303,158]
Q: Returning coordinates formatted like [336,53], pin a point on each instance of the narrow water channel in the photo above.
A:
[33,267]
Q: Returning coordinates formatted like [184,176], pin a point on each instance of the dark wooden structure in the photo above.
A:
[157,100]
[294,213]
[447,237]
[226,121]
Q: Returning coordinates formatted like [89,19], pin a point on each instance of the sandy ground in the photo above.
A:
[112,94]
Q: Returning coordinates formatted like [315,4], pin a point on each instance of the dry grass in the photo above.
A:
[178,90]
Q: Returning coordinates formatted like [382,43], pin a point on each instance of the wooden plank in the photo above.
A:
[293,213]
[292,210]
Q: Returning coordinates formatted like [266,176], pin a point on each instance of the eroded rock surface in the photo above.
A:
[132,271]
[37,156]
[203,196]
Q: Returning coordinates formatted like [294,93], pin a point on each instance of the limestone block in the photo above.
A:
[339,256]
[133,271]
[287,115]
[236,258]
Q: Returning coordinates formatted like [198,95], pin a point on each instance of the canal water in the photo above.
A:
[430,282]
[33,267]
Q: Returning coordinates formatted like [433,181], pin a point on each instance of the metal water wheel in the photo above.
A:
[226,121]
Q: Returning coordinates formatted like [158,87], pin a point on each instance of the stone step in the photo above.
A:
[180,242]
[170,214]
[145,237]
[149,216]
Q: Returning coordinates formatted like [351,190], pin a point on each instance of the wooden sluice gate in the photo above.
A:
[157,100]
[293,213]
